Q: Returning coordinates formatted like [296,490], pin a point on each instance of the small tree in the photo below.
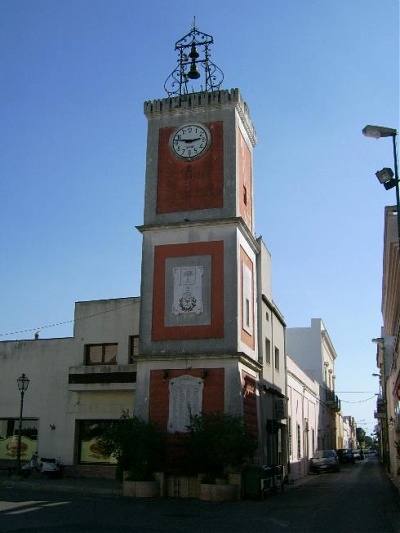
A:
[137,445]
[360,434]
[216,442]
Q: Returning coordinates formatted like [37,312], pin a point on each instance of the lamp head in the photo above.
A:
[23,383]
[376,132]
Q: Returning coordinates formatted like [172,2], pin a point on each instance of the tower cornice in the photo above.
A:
[238,221]
[198,101]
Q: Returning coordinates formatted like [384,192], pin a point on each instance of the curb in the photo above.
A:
[59,487]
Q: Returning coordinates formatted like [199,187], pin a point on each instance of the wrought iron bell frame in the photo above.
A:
[193,53]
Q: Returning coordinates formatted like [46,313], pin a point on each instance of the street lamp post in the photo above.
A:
[386,176]
[23,383]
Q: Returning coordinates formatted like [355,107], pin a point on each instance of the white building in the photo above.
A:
[312,350]
[303,418]
[77,385]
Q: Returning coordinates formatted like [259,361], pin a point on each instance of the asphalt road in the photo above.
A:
[360,498]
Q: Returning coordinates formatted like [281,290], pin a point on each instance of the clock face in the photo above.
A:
[190,141]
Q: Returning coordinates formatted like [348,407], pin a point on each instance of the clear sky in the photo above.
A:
[74,77]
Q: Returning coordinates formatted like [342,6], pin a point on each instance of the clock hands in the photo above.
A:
[189,140]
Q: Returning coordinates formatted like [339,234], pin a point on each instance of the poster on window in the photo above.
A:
[9,448]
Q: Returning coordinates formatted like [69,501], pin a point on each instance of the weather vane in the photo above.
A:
[193,54]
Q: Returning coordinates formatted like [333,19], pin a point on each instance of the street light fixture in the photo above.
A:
[23,384]
[386,176]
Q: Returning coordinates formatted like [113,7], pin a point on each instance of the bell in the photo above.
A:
[194,54]
[193,73]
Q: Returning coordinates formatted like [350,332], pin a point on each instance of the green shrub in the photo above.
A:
[137,445]
[217,442]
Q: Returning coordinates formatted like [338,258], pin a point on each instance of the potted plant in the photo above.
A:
[138,447]
[218,444]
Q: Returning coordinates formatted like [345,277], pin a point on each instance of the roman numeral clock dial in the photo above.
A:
[190,141]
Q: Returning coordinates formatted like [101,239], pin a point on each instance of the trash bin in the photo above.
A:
[257,481]
[278,477]
[267,479]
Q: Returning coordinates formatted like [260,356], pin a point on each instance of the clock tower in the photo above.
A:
[198,324]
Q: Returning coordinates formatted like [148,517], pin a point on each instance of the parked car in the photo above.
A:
[358,455]
[346,456]
[324,461]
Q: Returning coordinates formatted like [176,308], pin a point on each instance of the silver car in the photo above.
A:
[324,461]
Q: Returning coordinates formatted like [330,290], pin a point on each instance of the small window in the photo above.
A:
[267,351]
[244,195]
[298,442]
[247,312]
[101,354]
[313,440]
[133,347]
[277,358]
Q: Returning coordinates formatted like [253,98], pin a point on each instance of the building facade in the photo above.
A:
[303,394]
[77,387]
[312,349]
[388,349]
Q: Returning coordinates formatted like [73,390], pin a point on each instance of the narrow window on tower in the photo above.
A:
[244,195]
[247,300]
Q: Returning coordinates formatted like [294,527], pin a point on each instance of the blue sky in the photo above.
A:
[75,75]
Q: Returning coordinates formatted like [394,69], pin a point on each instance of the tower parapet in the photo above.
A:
[195,101]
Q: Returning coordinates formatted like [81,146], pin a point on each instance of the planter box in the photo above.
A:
[183,486]
[141,489]
[218,493]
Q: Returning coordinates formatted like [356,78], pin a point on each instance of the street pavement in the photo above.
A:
[358,499]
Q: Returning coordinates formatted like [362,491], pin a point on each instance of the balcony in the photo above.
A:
[380,408]
[102,377]
[332,401]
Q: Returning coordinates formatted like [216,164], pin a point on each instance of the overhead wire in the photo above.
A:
[72,321]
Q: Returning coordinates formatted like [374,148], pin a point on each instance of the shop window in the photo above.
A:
[9,429]
[101,354]
[88,432]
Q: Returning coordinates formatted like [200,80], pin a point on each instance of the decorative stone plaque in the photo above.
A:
[185,398]
[188,290]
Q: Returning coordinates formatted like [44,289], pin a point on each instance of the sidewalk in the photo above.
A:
[67,484]
[93,485]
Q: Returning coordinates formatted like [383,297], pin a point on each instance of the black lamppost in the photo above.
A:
[386,176]
[23,383]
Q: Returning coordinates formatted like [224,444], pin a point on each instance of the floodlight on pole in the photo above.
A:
[386,176]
